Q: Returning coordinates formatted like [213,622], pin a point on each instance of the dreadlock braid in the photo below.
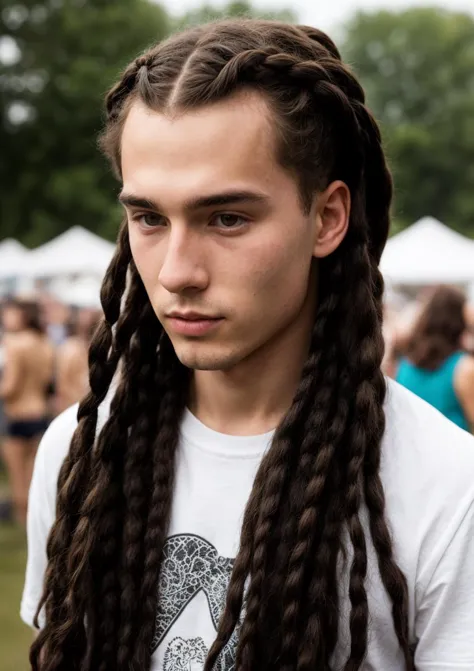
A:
[105,499]
[323,582]
[322,595]
[107,505]
[272,477]
[313,580]
[125,86]
[321,40]
[277,469]
[249,538]
[172,380]
[103,359]
[242,563]
[378,181]
[315,462]
[312,469]
[137,484]
[358,438]
[392,577]
[329,433]
[235,592]
[321,473]
[317,466]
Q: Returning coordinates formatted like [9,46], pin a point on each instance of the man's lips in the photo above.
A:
[190,316]
[192,323]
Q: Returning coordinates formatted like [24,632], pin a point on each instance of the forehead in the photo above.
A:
[231,140]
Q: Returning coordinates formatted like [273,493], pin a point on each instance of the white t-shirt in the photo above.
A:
[428,476]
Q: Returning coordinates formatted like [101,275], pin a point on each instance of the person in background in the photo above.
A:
[397,328]
[2,361]
[389,361]
[71,360]
[435,366]
[468,337]
[27,372]
[56,316]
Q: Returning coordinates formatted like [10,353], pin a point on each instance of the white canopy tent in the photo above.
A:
[428,252]
[12,257]
[81,293]
[75,252]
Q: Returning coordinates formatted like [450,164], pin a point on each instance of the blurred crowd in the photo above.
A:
[43,370]
[429,348]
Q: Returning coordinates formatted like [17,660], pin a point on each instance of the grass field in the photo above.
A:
[15,637]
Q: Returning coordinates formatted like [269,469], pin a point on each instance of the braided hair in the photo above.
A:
[304,516]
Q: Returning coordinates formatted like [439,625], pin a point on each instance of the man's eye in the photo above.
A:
[149,220]
[229,221]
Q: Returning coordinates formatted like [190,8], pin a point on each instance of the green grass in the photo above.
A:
[15,636]
[3,481]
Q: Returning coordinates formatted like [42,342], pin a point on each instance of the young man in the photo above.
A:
[254,500]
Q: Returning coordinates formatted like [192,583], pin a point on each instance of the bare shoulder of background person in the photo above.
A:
[16,342]
[65,353]
[14,353]
[464,386]
[21,344]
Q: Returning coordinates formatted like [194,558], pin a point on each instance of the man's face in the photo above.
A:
[216,229]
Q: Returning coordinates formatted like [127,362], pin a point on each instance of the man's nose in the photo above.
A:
[183,267]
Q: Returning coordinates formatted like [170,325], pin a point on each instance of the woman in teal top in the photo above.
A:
[435,368]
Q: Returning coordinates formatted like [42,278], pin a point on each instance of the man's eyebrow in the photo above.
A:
[135,201]
[201,202]
[226,198]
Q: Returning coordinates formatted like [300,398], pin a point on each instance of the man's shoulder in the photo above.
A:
[55,443]
[426,459]
[56,440]
[414,424]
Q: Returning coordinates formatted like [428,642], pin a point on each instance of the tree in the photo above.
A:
[68,52]
[62,56]
[417,67]
[209,12]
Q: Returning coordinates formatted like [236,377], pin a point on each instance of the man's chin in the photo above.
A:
[210,360]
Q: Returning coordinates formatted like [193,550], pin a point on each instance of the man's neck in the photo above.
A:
[252,397]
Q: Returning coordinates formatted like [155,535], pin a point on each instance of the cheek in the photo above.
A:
[146,258]
[277,273]
[283,261]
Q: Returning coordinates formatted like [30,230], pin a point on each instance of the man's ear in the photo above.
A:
[332,212]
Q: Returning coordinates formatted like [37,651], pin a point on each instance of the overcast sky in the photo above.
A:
[326,14]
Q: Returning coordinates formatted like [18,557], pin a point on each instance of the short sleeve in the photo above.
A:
[445,615]
[39,522]
[42,507]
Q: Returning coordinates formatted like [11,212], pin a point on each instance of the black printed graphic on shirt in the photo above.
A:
[191,565]
[182,654]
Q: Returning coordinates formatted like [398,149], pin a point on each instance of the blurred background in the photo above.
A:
[59,216]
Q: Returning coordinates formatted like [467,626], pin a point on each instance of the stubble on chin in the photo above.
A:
[210,361]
